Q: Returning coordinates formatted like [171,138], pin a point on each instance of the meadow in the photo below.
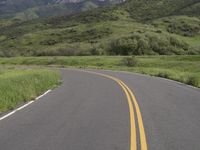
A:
[185,69]
[19,85]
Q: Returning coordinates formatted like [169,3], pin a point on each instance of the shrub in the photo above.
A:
[50,42]
[130,61]
[189,27]
[148,43]
[123,46]
[94,51]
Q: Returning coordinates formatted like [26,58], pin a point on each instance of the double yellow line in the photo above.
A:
[131,102]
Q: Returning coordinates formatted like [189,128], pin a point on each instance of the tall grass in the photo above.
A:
[184,69]
[19,86]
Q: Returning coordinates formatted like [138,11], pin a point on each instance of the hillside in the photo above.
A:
[134,27]
[151,9]
[31,9]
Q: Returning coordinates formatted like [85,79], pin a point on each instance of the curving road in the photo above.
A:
[98,111]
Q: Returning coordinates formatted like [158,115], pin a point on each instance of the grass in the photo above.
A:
[184,69]
[21,85]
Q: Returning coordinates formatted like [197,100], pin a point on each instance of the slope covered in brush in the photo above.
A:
[134,27]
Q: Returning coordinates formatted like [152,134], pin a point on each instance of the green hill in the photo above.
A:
[152,9]
[136,27]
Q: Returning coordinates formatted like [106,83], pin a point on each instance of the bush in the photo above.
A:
[94,51]
[184,28]
[130,61]
[50,42]
[148,43]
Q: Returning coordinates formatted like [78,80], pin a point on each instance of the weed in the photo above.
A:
[130,61]
[192,80]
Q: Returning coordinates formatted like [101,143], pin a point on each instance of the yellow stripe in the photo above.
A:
[143,140]
[133,141]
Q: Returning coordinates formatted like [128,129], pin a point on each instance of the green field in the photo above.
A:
[185,69]
[18,86]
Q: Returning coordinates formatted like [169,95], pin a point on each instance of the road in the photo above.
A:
[107,110]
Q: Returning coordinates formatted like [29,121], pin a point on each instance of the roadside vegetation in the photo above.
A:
[185,69]
[18,86]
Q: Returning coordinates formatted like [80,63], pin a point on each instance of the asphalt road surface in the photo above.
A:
[107,111]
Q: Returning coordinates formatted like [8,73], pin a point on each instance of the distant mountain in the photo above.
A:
[30,9]
[140,9]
